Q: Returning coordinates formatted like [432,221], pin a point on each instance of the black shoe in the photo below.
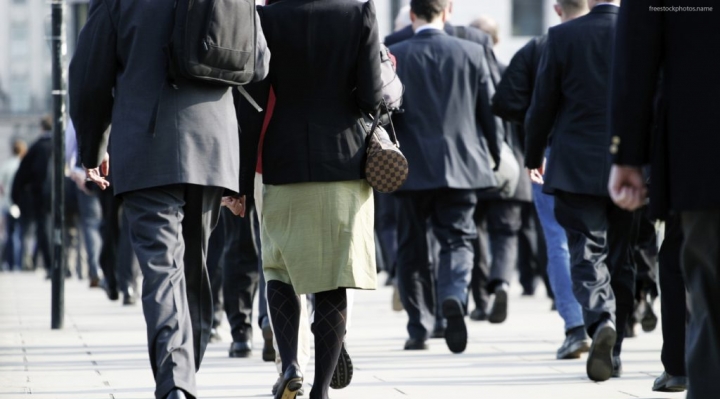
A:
[575,344]
[456,331]
[112,294]
[343,374]
[600,361]
[498,312]
[129,300]
[268,352]
[176,394]
[413,344]
[649,319]
[670,383]
[289,384]
[241,349]
[438,331]
[300,391]
[617,367]
[479,314]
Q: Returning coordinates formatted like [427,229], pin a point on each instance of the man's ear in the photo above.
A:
[413,17]
[558,10]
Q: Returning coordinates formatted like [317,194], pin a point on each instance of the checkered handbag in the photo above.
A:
[386,168]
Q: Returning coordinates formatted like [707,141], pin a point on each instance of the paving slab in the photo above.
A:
[100,353]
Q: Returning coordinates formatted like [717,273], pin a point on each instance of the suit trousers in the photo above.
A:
[673,303]
[450,212]
[127,267]
[170,229]
[601,267]
[532,251]
[701,265]
[240,272]
[496,248]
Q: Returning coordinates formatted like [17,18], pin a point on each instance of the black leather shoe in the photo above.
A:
[241,349]
[456,331]
[649,319]
[268,352]
[176,394]
[290,384]
[300,391]
[479,314]
[670,383]
[498,312]
[413,344]
[617,367]
[343,374]
[600,360]
[575,344]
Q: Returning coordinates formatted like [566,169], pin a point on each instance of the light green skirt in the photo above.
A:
[319,236]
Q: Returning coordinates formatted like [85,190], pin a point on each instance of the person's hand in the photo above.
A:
[98,175]
[235,204]
[627,187]
[537,175]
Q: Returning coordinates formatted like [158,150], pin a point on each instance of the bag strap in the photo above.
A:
[376,123]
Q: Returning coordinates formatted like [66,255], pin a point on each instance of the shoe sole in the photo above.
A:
[498,313]
[575,351]
[291,390]
[268,353]
[343,374]
[599,363]
[456,331]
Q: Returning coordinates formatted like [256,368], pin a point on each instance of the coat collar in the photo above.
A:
[605,9]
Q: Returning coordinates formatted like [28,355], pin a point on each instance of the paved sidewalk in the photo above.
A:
[101,354]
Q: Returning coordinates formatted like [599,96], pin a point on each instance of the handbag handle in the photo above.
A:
[376,123]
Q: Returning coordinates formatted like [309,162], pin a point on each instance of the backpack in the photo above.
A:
[217,42]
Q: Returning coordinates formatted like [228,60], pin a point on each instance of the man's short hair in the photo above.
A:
[46,123]
[428,10]
[572,6]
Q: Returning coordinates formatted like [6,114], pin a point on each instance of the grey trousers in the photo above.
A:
[701,265]
[169,229]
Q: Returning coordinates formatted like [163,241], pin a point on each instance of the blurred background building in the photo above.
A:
[25,63]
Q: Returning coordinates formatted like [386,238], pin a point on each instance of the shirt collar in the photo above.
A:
[427,27]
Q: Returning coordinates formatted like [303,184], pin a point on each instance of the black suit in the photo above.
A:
[683,153]
[32,182]
[448,135]
[570,101]
[314,134]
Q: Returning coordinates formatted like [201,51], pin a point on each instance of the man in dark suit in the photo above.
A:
[171,200]
[511,102]
[570,101]
[683,154]
[448,134]
[31,185]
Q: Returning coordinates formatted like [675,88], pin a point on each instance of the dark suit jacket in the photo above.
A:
[31,179]
[118,76]
[325,69]
[447,132]
[570,101]
[514,93]
[685,160]
[465,32]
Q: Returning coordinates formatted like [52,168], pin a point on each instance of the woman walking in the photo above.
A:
[317,225]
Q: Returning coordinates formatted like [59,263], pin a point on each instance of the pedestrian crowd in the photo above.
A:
[223,152]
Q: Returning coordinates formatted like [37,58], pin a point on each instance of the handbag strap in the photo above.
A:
[376,123]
